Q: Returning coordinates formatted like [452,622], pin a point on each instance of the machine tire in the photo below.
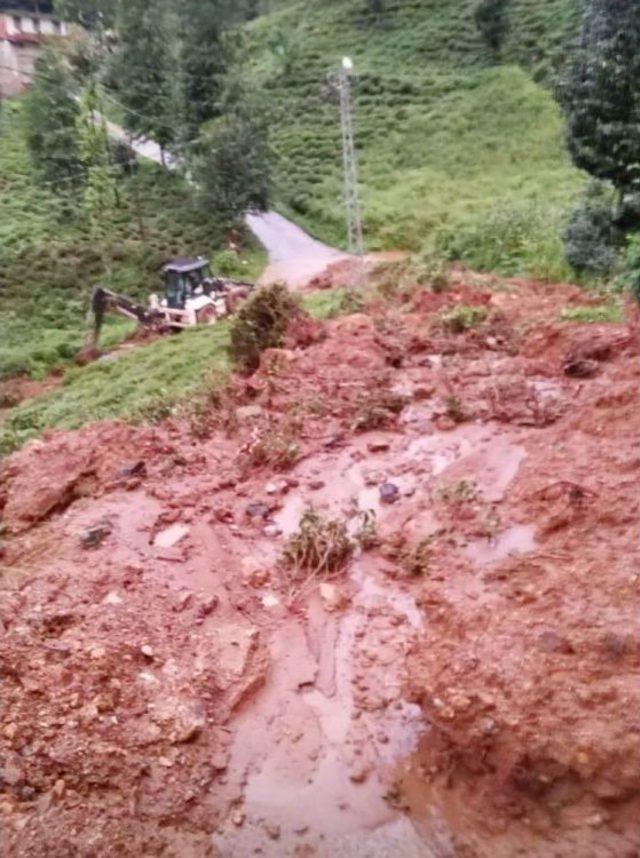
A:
[207,315]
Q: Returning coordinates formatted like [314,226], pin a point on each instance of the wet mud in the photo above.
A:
[466,686]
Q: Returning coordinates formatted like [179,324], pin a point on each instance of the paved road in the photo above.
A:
[294,256]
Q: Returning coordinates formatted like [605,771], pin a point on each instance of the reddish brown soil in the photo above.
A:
[166,688]
[16,390]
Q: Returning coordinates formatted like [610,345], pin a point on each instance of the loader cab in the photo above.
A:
[185,279]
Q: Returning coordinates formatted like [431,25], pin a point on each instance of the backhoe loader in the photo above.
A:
[191,297]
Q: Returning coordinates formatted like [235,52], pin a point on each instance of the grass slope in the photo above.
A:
[458,156]
[49,260]
[145,382]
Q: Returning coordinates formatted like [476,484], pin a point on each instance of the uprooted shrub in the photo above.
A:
[377,410]
[274,444]
[462,318]
[262,323]
[319,547]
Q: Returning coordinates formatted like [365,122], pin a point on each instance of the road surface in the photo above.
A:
[294,256]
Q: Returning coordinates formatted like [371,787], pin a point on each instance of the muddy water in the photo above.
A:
[319,749]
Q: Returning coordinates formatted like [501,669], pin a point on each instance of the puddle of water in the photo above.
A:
[171,536]
[519,539]
[317,737]
[444,449]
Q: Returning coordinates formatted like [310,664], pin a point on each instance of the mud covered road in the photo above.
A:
[467,686]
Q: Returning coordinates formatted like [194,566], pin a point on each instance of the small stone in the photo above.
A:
[551,641]
[271,488]
[112,598]
[359,775]
[238,817]
[59,788]
[207,606]
[332,597]
[273,831]
[379,445]
[257,510]
[10,731]
[95,535]
[272,530]
[182,601]
[596,820]
[249,412]
[165,762]
[389,493]
[134,469]
[146,651]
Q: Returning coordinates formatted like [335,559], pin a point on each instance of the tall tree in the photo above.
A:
[146,70]
[232,163]
[601,95]
[206,51]
[51,116]
[100,193]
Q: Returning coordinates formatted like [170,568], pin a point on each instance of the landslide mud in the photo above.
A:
[468,686]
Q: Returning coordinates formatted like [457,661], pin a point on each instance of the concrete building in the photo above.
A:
[22,35]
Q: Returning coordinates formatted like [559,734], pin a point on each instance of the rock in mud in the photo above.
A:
[257,510]
[185,719]
[581,368]
[378,445]
[133,469]
[249,412]
[389,493]
[272,530]
[94,536]
[333,598]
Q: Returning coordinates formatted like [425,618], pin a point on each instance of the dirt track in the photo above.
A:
[469,687]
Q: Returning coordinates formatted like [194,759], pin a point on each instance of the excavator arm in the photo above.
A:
[104,301]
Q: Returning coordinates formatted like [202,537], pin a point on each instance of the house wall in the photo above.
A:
[20,46]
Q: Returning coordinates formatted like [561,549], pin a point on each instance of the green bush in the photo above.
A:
[261,323]
[591,239]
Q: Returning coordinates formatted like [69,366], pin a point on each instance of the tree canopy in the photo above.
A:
[601,94]
[51,116]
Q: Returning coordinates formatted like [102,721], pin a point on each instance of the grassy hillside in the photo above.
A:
[458,155]
[49,260]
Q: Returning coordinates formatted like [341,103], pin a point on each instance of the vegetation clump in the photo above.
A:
[261,324]
[462,318]
[415,561]
[319,547]
[275,445]
[377,410]
[591,239]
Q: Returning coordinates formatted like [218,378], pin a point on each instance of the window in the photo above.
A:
[36,24]
[17,22]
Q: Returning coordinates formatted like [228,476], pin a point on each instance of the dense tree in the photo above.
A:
[232,165]
[491,20]
[45,6]
[206,50]
[51,116]
[89,13]
[100,192]
[600,95]
[146,70]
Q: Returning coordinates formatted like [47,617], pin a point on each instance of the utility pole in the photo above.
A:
[351,189]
